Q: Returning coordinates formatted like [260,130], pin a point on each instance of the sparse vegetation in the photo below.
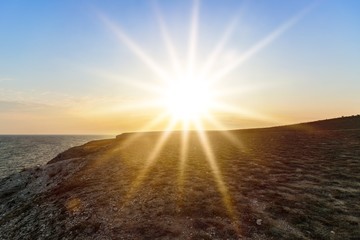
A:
[280,185]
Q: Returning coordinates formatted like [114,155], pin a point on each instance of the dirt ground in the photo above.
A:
[280,184]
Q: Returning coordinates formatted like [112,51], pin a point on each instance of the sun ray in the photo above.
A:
[210,157]
[167,39]
[125,80]
[245,88]
[193,36]
[218,125]
[137,50]
[243,112]
[130,107]
[154,122]
[150,161]
[262,43]
[211,60]
[184,148]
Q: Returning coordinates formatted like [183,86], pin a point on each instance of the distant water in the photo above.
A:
[23,151]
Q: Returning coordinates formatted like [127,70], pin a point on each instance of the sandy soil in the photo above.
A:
[277,184]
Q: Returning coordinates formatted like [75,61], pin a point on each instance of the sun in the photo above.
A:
[188,98]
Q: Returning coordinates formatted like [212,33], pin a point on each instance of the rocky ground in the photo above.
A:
[261,184]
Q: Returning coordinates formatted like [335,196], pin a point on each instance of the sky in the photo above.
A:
[90,67]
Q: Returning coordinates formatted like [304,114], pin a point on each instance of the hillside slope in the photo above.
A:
[341,123]
[253,185]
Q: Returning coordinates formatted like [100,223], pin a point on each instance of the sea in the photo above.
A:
[24,151]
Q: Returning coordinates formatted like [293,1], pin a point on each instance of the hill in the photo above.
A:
[341,123]
[272,183]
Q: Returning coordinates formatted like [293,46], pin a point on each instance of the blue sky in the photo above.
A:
[60,61]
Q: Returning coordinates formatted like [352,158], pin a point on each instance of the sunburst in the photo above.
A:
[187,91]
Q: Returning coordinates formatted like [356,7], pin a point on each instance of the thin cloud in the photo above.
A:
[6,79]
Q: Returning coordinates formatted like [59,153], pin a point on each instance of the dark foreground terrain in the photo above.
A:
[298,182]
